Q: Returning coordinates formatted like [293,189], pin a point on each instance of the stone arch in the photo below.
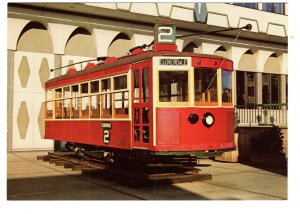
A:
[248,61]
[190,47]
[81,43]
[273,64]
[221,51]
[120,45]
[35,38]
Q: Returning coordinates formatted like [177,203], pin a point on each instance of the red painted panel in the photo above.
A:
[169,134]
[212,63]
[164,47]
[89,132]
[194,136]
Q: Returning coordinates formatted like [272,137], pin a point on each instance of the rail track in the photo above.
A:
[135,175]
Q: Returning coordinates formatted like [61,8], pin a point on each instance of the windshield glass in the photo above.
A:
[173,86]
[226,87]
[205,85]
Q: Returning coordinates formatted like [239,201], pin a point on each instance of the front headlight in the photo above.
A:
[208,120]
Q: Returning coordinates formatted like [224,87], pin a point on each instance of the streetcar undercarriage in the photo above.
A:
[143,156]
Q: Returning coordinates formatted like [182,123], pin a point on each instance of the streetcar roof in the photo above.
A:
[129,59]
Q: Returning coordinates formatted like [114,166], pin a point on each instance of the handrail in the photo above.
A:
[255,115]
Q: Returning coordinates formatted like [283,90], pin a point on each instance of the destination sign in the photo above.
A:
[106,125]
[173,62]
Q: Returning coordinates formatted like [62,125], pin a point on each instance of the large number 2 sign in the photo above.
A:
[106,136]
[166,34]
[106,126]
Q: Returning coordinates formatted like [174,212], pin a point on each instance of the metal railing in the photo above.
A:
[262,115]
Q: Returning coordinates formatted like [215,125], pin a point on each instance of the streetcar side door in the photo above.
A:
[141,111]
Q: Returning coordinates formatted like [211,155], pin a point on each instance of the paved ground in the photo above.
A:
[32,179]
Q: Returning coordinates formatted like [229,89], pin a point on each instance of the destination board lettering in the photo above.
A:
[173,62]
[106,125]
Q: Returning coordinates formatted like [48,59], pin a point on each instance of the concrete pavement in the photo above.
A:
[32,179]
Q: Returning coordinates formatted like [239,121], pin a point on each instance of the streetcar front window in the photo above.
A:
[226,87]
[173,86]
[205,81]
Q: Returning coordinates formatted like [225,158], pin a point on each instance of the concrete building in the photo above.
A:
[42,36]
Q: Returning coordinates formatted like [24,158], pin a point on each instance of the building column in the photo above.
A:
[234,88]
[10,97]
[258,88]
[283,88]
[259,6]
[57,64]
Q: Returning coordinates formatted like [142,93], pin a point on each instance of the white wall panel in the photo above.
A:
[32,96]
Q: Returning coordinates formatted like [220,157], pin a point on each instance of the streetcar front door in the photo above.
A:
[141,106]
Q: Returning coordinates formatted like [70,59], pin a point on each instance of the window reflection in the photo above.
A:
[226,86]
[145,84]
[86,100]
[273,7]
[95,106]
[49,110]
[205,85]
[173,86]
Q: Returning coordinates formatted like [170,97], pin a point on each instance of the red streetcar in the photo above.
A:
[149,104]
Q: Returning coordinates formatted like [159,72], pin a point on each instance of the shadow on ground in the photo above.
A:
[92,186]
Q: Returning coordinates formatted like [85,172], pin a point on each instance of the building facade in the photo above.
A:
[42,36]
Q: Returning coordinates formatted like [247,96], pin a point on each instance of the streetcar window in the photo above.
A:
[58,109]
[173,86]
[145,84]
[145,114]
[106,85]
[75,102]
[136,86]
[94,86]
[58,93]
[106,105]
[136,116]
[95,106]
[205,83]
[226,87]
[136,133]
[67,92]
[75,108]
[85,103]
[75,90]
[49,95]
[49,110]
[84,89]
[67,109]
[120,82]
[121,104]
[146,134]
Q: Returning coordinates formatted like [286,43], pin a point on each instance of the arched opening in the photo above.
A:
[271,80]
[246,76]
[190,48]
[248,62]
[221,51]
[35,38]
[272,64]
[81,43]
[120,45]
